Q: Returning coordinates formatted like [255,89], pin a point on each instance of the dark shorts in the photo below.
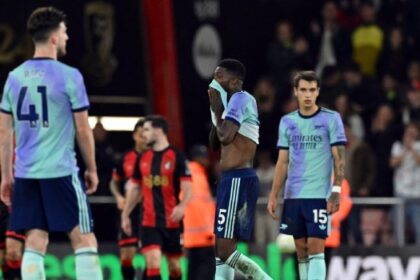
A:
[54,205]
[305,218]
[237,195]
[125,240]
[168,240]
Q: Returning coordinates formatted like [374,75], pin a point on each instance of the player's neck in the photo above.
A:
[161,145]
[45,50]
[304,111]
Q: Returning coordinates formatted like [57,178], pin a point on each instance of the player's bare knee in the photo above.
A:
[225,248]
[316,246]
[79,240]
[174,264]
[127,253]
[37,240]
[14,250]
[153,258]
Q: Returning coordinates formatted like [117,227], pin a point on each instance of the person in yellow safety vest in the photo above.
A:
[198,220]
[333,240]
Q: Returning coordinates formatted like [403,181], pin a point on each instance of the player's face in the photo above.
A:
[225,79]
[306,93]
[60,38]
[149,134]
[139,139]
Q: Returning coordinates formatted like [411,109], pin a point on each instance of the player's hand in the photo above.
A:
[91,181]
[6,189]
[177,213]
[216,103]
[126,224]
[272,207]
[333,203]
[120,202]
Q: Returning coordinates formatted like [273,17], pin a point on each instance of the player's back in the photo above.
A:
[42,94]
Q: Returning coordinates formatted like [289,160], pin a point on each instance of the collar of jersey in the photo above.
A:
[310,116]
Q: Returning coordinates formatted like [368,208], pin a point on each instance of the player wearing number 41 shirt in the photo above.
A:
[311,144]
[45,104]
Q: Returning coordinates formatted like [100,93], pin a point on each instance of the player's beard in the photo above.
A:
[151,143]
[61,51]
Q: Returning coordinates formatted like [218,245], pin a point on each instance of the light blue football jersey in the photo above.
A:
[41,94]
[309,140]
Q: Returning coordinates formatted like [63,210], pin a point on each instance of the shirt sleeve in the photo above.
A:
[283,140]
[76,91]
[137,173]
[182,171]
[236,108]
[336,131]
[6,104]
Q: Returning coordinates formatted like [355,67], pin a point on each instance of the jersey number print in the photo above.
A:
[32,116]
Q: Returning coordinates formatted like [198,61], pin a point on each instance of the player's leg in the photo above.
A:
[4,220]
[173,250]
[127,254]
[242,194]
[302,255]
[293,223]
[14,251]
[201,263]
[152,241]
[318,224]
[128,246]
[68,210]
[29,214]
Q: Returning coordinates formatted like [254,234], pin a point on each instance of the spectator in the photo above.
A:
[391,92]
[348,14]
[395,55]
[367,40]
[265,93]
[360,172]
[330,42]
[266,230]
[280,54]
[343,107]
[405,160]
[331,86]
[411,112]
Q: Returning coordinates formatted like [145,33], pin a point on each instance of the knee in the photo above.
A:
[127,253]
[14,252]
[224,252]
[37,241]
[83,240]
[316,246]
[153,259]
[174,264]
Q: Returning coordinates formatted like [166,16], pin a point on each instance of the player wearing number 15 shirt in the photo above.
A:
[45,104]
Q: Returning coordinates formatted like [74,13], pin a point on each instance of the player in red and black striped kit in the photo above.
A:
[160,174]
[119,183]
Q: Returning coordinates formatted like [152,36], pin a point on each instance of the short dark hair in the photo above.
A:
[309,76]
[234,66]
[138,124]
[44,20]
[158,122]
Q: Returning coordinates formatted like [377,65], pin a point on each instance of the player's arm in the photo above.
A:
[6,142]
[86,144]
[338,153]
[183,174]
[280,174]
[133,196]
[114,189]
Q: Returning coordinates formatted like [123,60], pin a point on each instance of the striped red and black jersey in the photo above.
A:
[160,174]
[125,168]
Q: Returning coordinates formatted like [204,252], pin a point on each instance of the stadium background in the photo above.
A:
[157,56]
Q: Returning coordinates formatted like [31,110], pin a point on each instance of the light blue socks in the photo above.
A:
[87,264]
[33,265]
[317,267]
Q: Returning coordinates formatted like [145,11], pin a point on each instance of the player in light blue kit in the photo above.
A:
[45,105]
[311,144]
[236,127]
